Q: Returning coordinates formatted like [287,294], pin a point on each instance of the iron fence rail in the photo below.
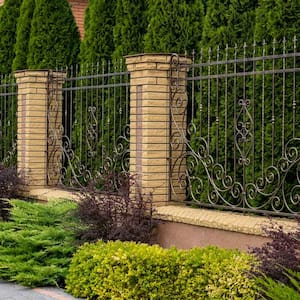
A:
[242,145]
[8,119]
[95,123]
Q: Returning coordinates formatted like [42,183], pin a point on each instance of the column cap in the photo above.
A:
[162,58]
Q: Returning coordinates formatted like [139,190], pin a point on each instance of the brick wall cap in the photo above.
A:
[224,220]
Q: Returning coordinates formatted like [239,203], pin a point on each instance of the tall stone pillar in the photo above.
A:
[39,110]
[153,78]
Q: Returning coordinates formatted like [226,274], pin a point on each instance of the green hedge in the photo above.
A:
[125,270]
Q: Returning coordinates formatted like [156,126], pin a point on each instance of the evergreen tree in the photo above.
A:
[277,23]
[174,26]
[23,35]
[130,27]
[98,43]
[54,38]
[277,19]
[228,22]
[8,22]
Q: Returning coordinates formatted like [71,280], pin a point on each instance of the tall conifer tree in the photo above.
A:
[54,38]
[130,27]
[174,26]
[228,22]
[23,35]
[8,23]
[98,42]
[277,19]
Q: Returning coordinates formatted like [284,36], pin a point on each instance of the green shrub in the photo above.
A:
[126,270]
[37,243]
[276,290]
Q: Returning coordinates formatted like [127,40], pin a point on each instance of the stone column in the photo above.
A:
[36,91]
[152,79]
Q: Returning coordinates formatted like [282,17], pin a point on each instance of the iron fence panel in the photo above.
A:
[242,144]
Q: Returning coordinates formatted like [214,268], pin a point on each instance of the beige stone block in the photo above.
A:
[132,60]
[27,117]
[155,88]
[36,158]
[151,95]
[150,117]
[161,147]
[162,103]
[154,169]
[149,125]
[34,183]
[160,178]
[161,154]
[42,113]
[35,134]
[39,107]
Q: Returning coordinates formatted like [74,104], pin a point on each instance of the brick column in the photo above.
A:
[150,121]
[35,90]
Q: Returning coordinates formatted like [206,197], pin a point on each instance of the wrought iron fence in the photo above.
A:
[242,145]
[95,131]
[8,120]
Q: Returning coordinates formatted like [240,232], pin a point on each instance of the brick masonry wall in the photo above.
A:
[78,8]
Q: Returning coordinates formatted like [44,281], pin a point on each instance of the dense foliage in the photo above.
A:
[125,270]
[277,19]
[23,35]
[9,188]
[8,22]
[174,26]
[130,27]
[98,38]
[116,216]
[276,290]
[54,37]
[37,243]
[228,22]
[281,253]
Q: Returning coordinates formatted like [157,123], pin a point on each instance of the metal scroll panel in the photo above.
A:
[95,125]
[242,138]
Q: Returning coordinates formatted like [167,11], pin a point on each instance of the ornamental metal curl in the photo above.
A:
[89,140]
[235,144]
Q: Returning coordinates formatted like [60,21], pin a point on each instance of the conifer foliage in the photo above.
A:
[54,38]
[98,40]
[37,243]
[23,35]
[130,27]
[174,26]
[277,19]
[8,22]
[228,22]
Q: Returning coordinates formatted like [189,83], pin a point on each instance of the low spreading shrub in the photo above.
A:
[9,184]
[115,214]
[37,243]
[126,270]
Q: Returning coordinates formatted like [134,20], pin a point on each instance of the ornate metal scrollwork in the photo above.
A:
[209,183]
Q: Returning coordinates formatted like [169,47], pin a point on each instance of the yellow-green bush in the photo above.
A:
[126,270]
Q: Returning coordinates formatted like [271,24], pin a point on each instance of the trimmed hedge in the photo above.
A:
[126,270]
